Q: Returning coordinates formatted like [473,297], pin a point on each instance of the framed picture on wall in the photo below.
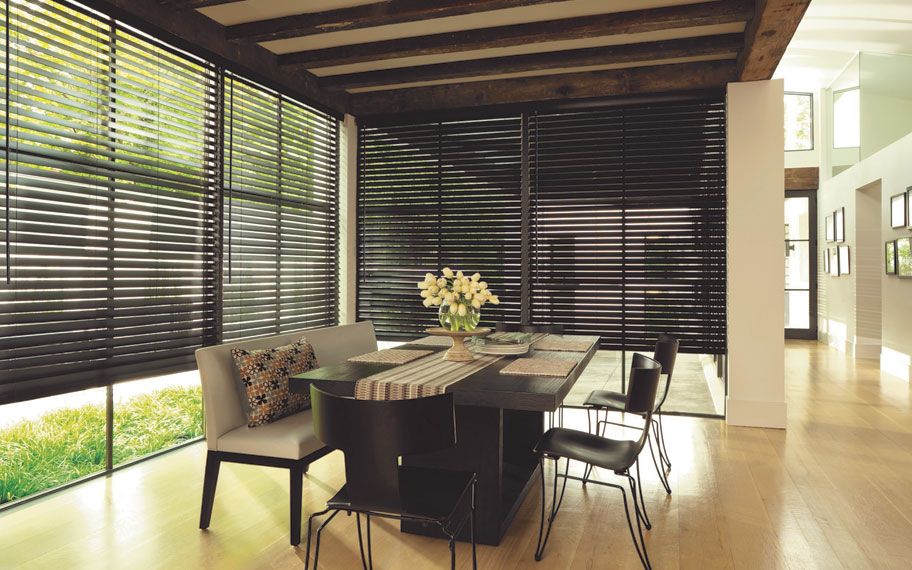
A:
[898,210]
[844,267]
[839,224]
[909,206]
[830,233]
[904,257]
[890,257]
[834,261]
[826,261]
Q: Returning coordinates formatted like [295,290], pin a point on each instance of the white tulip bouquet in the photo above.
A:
[460,298]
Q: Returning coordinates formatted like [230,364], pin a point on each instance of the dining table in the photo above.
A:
[499,418]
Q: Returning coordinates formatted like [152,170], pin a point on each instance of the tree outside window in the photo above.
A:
[799,121]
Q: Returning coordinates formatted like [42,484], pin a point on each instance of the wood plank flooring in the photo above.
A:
[832,491]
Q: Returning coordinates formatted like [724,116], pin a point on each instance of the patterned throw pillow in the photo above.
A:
[264,375]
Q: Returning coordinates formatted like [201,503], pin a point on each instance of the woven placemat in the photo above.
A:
[433,341]
[562,345]
[390,356]
[538,367]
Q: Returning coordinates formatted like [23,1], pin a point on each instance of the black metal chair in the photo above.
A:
[374,435]
[666,352]
[615,455]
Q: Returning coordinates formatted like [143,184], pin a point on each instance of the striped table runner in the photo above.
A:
[426,376]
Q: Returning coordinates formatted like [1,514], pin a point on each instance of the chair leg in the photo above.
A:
[319,533]
[663,451]
[645,516]
[210,479]
[472,529]
[659,465]
[309,526]
[296,484]
[555,505]
[361,543]
[641,552]
[452,554]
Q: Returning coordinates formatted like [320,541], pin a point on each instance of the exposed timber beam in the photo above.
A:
[367,16]
[619,54]
[653,19]
[616,82]
[194,4]
[767,35]
[802,178]
[194,32]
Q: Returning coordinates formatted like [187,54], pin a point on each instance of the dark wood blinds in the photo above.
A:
[624,210]
[108,201]
[434,195]
[628,223]
[281,218]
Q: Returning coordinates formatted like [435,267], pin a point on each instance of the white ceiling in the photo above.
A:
[832,31]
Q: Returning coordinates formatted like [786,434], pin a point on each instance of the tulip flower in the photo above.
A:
[459,275]
[425,293]
[482,285]
[426,302]
[433,289]
[453,309]
[476,277]
[495,300]
[429,277]
[422,285]
[461,310]
[441,282]
[447,272]
[476,303]
[448,297]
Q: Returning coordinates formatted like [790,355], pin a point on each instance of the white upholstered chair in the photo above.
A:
[288,442]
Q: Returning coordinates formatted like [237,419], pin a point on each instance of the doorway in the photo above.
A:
[800,264]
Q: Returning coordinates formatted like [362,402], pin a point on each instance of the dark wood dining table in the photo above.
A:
[499,418]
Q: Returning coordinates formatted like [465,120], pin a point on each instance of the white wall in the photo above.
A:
[884,119]
[756,269]
[892,169]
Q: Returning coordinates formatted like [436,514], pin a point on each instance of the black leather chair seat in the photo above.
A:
[612,454]
[432,494]
[606,400]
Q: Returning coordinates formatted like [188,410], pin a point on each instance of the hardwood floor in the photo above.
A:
[832,491]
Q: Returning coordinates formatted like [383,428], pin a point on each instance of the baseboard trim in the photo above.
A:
[869,351]
[750,413]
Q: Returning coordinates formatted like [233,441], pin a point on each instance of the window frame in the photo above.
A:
[813,138]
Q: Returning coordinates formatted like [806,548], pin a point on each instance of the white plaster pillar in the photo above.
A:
[756,267]
[348,220]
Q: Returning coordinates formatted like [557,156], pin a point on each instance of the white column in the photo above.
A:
[756,268]
[348,220]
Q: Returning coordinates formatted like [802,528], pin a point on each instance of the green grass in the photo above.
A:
[66,444]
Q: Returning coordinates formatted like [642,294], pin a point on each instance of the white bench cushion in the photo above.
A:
[291,437]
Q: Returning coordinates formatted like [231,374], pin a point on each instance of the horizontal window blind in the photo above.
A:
[110,190]
[281,216]
[628,223]
[434,195]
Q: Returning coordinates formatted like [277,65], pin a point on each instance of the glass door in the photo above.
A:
[800,264]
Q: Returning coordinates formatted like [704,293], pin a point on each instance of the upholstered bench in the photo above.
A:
[288,442]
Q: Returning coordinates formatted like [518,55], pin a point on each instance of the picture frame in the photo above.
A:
[845,267]
[826,261]
[904,257]
[834,261]
[830,229]
[909,206]
[898,210]
[890,257]
[839,224]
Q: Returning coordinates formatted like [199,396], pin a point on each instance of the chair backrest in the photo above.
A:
[641,394]
[374,434]
[219,376]
[513,327]
[666,351]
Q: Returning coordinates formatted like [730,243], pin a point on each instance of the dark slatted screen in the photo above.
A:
[109,152]
[628,208]
[281,179]
[433,195]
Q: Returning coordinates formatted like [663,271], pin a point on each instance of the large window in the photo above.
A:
[799,121]
[608,221]
[151,203]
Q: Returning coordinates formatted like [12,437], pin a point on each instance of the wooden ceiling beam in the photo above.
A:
[194,32]
[768,35]
[637,21]
[616,82]
[366,16]
[618,54]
